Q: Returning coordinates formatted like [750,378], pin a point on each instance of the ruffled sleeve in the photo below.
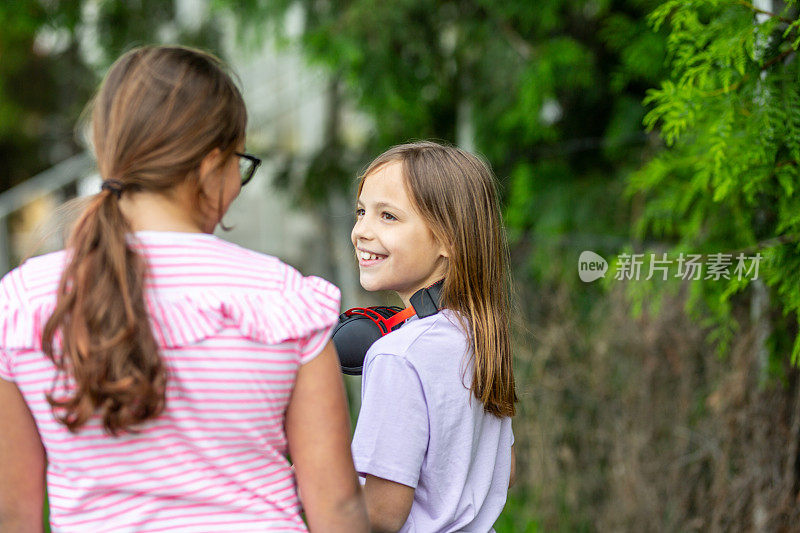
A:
[16,324]
[5,366]
[318,308]
[304,311]
[285,307]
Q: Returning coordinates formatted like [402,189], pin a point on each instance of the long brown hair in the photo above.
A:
[455,192]
[159,111]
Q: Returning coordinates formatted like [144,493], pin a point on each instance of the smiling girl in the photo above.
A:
[433,440]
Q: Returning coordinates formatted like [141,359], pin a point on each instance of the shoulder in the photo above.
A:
[27,295]
[218,248]
[201,254]
[214,282]
[185,263]
[418,340]
[276,275]
[36,278]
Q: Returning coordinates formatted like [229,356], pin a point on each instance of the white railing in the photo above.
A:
[46,183]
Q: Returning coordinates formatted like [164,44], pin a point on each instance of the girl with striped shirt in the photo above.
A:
[154,376]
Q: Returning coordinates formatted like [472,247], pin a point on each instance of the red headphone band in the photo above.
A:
[401,316]
[372,315]
[424,302]
[385,325]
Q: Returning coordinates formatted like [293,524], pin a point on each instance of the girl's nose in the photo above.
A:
[362,230]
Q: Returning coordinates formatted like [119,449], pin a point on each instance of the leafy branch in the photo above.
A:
[766,66]
[755,9]
[728,175]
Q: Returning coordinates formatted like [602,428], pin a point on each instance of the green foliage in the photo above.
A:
[551,96]
[120,26]
[730,117]
[36,86]
[53,54]
[519,515]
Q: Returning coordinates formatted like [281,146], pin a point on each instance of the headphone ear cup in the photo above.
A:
[353,336]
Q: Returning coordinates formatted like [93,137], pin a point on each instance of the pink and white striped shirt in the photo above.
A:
[233,326]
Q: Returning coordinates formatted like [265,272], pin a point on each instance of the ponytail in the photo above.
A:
[106,343]
[158,113]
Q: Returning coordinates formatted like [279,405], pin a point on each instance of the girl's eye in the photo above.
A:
[388,216]
[359,212]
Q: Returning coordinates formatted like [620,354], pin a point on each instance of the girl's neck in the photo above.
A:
[152,211]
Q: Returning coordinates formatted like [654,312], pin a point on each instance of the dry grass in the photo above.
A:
[637,425]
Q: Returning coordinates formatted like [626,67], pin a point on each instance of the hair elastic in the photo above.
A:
[114,186]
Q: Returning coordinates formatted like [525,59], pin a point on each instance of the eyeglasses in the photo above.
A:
[247,166]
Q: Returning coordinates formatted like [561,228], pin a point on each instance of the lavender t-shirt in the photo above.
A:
[421,426]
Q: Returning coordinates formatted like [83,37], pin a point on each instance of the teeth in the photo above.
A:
[367,256]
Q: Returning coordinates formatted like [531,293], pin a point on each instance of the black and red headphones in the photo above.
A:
[359,327]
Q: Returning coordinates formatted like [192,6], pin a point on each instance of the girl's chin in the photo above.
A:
[375,283]
[372,286]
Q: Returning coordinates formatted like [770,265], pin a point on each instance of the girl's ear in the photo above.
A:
[209,166]
[443,248]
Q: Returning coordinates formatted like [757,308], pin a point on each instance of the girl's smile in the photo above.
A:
[368,259]
[395,248]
